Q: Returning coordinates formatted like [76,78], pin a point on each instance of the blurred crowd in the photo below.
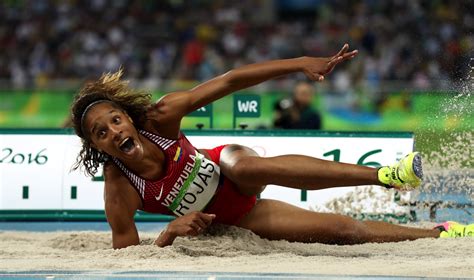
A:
[418,41]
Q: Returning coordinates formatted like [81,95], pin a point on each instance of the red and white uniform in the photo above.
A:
[192,183]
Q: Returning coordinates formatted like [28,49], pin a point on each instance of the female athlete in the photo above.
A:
[150,165]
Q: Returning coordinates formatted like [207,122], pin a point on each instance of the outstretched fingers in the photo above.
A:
[343,55]
[342,51]
[349,55]
[323,65]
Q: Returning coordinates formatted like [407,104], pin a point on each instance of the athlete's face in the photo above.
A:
[112,131]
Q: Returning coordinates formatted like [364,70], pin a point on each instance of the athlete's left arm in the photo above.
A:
[171,108]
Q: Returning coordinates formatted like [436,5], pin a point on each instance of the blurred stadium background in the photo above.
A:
[413,72]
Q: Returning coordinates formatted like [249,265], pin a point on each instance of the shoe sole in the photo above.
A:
[417,166]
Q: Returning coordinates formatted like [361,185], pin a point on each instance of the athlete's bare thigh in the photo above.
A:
[230,156]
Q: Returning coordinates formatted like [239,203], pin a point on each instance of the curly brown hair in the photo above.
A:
[109,88]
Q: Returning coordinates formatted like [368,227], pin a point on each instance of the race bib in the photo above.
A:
[197,189]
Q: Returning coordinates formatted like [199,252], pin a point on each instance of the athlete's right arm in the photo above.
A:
[121,202]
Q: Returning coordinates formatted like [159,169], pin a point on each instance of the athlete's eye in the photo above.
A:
[101,133]
[116,120]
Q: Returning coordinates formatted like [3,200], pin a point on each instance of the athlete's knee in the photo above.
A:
[239,162]
[233,152]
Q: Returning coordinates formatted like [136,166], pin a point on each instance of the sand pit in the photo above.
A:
[233,250]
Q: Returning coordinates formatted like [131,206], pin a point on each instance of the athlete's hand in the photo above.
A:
[316,67]
[191,224]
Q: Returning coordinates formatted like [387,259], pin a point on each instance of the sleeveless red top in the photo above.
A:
[190,182]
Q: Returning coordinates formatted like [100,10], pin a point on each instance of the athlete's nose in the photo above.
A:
[116,132]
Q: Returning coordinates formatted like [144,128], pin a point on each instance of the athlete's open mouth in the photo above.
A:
[127,145]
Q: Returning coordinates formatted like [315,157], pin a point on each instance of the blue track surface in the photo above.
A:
[74,226]
[185,275]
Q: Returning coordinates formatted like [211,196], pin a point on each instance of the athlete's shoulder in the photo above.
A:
[118,190]
[114,177]
[169,130]
[165,132]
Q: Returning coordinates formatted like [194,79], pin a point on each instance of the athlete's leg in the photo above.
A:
[277,220]
[230,156]
[243,166]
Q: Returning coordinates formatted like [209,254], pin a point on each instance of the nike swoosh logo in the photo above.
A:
[161,192]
